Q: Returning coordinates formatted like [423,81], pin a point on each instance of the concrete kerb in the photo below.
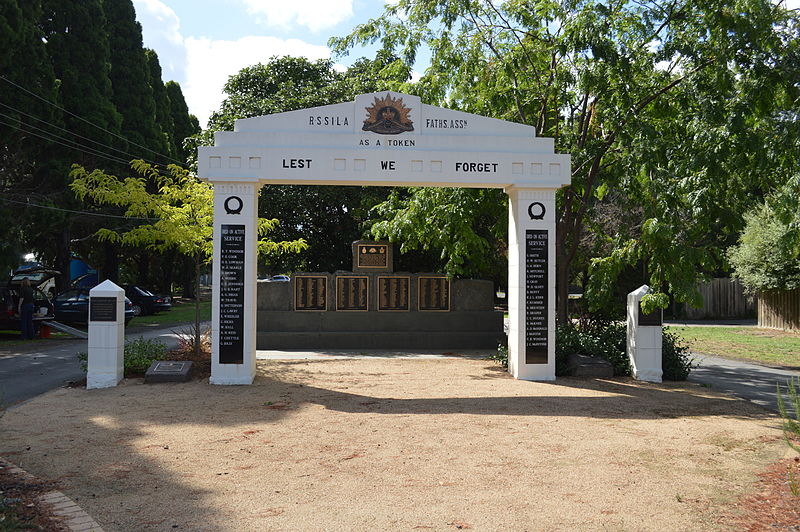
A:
[73,516]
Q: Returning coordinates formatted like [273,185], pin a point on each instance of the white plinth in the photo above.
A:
[105,367]
[644,345]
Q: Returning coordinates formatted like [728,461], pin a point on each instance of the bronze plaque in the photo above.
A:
[102,309]
[351,293]
[373,256]
[310,292]
[434,294]
[393,293]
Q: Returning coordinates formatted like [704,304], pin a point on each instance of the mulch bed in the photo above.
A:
[774,503]
[20,508]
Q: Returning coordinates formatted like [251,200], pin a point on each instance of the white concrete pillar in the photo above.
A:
[644,339]
[105,364]
[531,283]
[233,314]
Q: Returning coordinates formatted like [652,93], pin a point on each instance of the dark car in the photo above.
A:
[72,306]
[146,302]
[9,298]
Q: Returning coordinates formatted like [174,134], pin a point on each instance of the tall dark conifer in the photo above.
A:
[185,124]
[161,100]
[130,80]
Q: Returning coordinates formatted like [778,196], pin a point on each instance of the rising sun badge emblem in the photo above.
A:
[388,116]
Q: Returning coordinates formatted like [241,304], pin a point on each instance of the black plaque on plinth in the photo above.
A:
[352,293]
[536,288]
[102,309]
[393,293]
[310,292]
[372,256]
[655,318]
[433,294]
[231,294]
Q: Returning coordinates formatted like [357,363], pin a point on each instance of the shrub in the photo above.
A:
[140,353]
[676,360]
[605,339]
[137,357]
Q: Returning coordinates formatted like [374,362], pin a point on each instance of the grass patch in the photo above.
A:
[767,346]
[182,312]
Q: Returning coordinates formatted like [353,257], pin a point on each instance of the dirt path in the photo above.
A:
[395,444]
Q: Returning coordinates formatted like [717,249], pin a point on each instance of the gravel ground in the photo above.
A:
[400,444]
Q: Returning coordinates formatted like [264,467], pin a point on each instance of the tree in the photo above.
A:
[185,125]
[767,256]
[672,102]
[163,111]
[178,216]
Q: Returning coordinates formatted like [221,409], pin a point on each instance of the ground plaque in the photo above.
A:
[231,300]
[393,293]
[352,292]
[434,293]
[102,309]
[536,330]
[310,292]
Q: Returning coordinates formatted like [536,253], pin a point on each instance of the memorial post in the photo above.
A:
[233,317]
[531,283]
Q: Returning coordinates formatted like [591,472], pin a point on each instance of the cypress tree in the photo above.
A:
[163,115]
[130,80]
[185,124]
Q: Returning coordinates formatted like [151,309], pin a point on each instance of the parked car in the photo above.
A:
[146,302]
[72,306]
[9,298]
[279,279]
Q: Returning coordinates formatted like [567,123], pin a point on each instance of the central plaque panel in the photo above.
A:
[372,256]
[536,330]
[352,293]
[231,294]
[310,292]
[393,293]
[102,309]
[434,293]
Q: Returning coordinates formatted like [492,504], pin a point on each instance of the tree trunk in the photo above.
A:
[111,261]
[188,277]
[63,258]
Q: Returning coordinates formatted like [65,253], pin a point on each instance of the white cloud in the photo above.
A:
[315,15]
[211,62]
[161,32]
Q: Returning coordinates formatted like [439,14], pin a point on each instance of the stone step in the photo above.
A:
[379,340]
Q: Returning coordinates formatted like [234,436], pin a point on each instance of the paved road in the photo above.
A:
[29,370]
[752,382]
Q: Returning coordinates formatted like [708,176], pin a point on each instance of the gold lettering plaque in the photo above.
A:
[393,293]
[372,256]
[310,292]
[352,293]
[433,293]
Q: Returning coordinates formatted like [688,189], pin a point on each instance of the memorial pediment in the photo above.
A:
[383,138]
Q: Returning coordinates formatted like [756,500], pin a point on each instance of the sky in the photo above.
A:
[200,43]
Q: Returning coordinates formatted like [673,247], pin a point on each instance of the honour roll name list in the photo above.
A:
[231,299]
[536,286]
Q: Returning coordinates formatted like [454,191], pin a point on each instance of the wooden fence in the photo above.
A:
[779,309]
[723,298]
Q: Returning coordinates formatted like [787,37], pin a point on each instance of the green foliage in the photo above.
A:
[680,115]
[141,353]
[791,412]
[137,357]
[471,226]
[501,355]
[767,256]
[676,360]
[606,339]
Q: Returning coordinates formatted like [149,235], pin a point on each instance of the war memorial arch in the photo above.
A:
[384,139]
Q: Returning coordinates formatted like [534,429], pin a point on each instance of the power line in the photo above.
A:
[123,152]
[47,136]
[87,213]
[87,121]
